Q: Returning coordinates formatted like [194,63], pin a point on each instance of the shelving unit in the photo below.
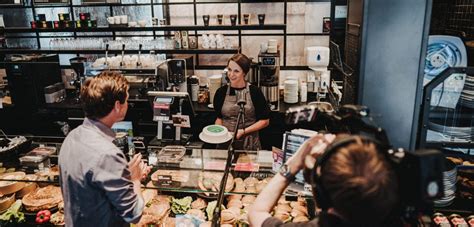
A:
[100,51]
[153,31]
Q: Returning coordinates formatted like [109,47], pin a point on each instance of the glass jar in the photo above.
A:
[203,96]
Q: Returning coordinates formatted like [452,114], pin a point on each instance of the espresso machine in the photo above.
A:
[173,73]
[268,78]
[78,65]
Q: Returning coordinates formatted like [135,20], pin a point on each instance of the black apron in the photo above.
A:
[230,112]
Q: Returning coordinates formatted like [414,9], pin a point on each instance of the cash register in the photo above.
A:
[173,112]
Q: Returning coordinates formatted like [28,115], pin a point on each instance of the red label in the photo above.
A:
[161,106]
[247,167]
[215,165]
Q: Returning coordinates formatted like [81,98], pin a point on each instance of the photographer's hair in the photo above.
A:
[243,61]
[361,183]
[99,94]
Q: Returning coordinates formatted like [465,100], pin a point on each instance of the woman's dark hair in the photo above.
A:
[99,94]
[243,61]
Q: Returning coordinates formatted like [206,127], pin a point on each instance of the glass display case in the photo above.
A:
[186,185]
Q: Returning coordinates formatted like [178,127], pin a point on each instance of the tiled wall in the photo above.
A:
[456,15]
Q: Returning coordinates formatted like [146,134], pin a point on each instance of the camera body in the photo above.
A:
[419,173]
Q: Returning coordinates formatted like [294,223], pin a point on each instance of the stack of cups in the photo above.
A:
[303,92]
[272,47]
[214,84]
[291,91]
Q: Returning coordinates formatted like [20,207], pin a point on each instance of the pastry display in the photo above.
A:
[9,186]
[42,198]
[461,161]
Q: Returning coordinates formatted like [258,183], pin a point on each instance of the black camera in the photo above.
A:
[420,173]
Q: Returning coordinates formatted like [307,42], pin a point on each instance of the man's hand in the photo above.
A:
[309,151]
[137,168]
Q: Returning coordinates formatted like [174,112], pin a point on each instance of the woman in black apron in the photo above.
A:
[257,112]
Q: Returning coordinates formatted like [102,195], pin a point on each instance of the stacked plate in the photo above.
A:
[467,95]
[449,182]
[291,91]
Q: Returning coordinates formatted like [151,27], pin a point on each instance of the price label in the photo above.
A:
[247,167]
[214,165]
[165,180]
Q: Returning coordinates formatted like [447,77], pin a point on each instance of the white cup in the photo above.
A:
[132,24]
[117,19]
[142,23]
[272,43]
[205,44]
[263,47]
[123,19]
[111,20]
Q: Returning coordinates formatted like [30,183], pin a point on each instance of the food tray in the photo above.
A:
[12,152]
[171,154]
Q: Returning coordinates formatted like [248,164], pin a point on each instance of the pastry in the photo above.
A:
[210,181]
[301,219]
[155,213]
[250,181]
[206,224]
[300,209]
[283,216]
[11,186]
[235,210]
[6,202]
[42,198]
[234,203]
[57,218]
[283,207]
[234,196]
[228,217]
[457,161]
[248,200]
[197,213]
[29,186]
[199,204]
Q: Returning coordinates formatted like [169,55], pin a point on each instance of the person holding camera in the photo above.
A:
[353,184]
[99,187]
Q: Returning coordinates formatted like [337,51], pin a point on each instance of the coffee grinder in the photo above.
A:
[268,76]
[78,65]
